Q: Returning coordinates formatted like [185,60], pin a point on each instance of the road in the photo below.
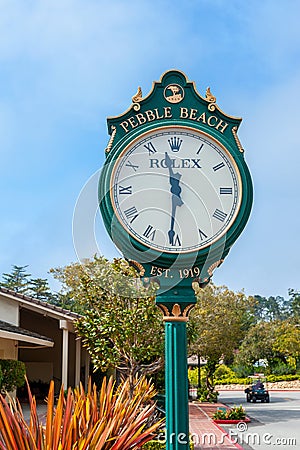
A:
[273,425]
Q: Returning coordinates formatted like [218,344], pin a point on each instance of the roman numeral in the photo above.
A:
[125,190]
[131,214]
[218,166]
[202,235]
[225,190]
[200,148]
[149,233]
[219,215]
[133,166]
[176,242]
[150,147]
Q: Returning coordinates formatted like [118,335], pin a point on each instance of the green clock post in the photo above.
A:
[175,193]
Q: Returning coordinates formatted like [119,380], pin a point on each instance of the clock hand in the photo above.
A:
[176,198]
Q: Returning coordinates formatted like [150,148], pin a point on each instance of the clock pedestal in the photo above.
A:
[175,308]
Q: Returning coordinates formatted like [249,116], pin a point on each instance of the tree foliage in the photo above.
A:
[18,280]
[121,325]
[271,308]
[217,323]
[21,282]
[295,303]
[274,342]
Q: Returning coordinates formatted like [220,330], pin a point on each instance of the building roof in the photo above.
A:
[35,304]
[9,331]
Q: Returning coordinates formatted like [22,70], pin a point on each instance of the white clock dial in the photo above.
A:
[176,189]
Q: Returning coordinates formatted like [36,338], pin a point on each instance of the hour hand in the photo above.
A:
[171,234]
[176,201]
[174,182]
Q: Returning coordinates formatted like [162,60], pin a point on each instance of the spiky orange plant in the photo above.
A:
[104,420]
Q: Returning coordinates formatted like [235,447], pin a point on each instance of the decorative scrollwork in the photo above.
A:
[136,106]
[211,99]
[136,99]
[176,310]
[238,142]
[137,266]
[211,268]
[111,140]
[177,313]
[212,107]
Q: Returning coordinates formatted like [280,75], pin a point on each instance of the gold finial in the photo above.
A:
[211,98]
[138,97]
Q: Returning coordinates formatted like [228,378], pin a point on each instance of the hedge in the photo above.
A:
[13,374]
[270,379]
[157,445]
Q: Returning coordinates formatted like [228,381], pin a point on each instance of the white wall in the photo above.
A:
[9,310]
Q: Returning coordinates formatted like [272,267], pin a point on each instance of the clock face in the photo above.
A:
[176,189]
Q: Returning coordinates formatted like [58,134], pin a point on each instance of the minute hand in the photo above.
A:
[176,198]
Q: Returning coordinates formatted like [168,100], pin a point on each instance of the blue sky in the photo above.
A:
[65,65]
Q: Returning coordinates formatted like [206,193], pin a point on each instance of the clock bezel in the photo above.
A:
[130,247]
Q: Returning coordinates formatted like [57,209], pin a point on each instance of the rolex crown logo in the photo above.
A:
[175,144]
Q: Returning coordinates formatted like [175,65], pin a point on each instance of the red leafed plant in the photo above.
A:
[106,420]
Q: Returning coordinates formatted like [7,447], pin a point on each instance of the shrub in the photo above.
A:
[204,395]
[243,370]
[233,380]
[283,369]
[13,373]
[193,376]
[104,419]
[224,371]
[156,445]
[235,413]
[276,378]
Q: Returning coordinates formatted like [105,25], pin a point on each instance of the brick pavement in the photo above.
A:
[205,433]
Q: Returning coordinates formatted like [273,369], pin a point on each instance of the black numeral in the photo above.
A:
[150,147]
[176,242]
[149,233]
[218,166]
[131,214]
[125,190]
[219,215]
[202,234]
[133,166]
[200,148]
[225,190]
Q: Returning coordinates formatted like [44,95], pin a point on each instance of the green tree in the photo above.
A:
[271,308]
[218,322]
[295,303]
[39,288]
[121,325]
[288,340]
[17,281]
[260,343]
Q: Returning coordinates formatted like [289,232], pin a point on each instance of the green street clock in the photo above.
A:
[175,191]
